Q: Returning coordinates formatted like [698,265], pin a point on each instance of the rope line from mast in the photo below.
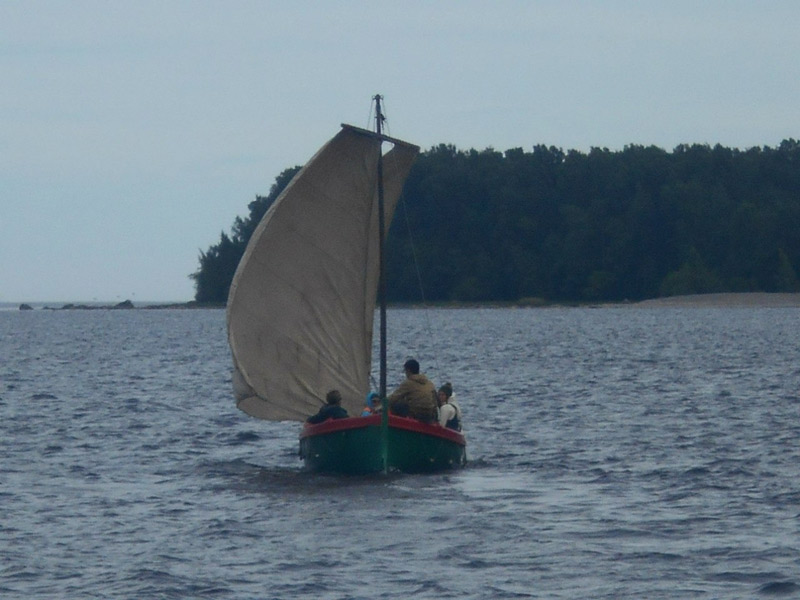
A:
[418,272]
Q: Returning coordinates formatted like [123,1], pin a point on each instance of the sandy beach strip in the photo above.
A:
[745,300]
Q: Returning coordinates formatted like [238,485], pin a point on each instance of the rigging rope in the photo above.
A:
[428,325]
[402,200]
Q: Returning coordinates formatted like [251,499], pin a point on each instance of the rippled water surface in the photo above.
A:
[614,453]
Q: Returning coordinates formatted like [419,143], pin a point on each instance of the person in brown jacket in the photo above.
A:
[415,397]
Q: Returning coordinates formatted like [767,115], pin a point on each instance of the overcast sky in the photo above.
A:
[133,133]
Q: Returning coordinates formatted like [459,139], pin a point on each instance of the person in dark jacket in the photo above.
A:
[332,409]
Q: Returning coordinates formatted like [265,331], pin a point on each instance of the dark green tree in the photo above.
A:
[576,226]
[218,264]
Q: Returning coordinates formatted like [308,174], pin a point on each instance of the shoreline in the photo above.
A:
[725,300]
[717,300]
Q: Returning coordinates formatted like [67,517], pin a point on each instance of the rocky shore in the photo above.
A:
[125,305]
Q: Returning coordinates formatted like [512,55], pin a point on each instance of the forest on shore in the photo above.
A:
[552,226]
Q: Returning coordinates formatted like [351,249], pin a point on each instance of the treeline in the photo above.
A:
[577,227]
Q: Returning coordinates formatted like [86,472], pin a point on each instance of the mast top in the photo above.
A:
[379,116]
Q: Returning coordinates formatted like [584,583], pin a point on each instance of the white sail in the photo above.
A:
[300,308]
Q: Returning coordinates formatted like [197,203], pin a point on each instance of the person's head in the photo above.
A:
[373,400]
[411,366]
[444,393]
[333,397]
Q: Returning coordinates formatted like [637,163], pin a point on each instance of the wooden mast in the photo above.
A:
[379,118]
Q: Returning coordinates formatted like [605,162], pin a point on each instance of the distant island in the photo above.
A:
[548,226]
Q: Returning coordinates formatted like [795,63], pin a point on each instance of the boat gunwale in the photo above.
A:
[408,424]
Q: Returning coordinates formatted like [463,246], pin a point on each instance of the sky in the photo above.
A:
[133,133]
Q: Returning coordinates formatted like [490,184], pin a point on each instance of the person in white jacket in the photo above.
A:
[449,411]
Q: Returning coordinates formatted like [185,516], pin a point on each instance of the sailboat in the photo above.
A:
[301,306]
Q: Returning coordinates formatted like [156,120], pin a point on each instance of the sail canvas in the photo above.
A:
[301,304]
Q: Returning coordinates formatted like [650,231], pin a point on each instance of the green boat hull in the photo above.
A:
[353,446]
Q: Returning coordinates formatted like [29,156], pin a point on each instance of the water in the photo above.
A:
[614,453]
